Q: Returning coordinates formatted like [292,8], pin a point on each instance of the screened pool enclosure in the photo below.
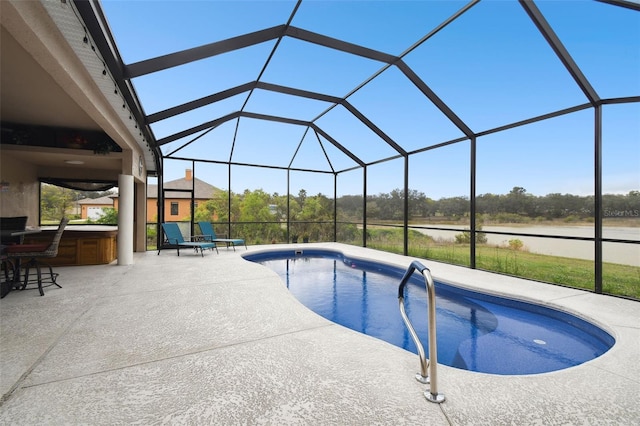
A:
[496,135]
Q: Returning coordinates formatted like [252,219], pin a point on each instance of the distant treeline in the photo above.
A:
[259,206]
[258,215]
[516,206]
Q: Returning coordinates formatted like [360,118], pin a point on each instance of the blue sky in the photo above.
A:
[491,67]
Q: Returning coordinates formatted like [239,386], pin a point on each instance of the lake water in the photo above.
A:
[626,254]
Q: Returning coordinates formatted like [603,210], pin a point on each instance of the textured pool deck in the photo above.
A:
[219,340]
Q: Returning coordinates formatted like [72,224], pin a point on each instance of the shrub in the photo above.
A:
[511,218]
[515,244]
[110,217]
[465,237]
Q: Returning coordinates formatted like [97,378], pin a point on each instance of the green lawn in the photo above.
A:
[621,280]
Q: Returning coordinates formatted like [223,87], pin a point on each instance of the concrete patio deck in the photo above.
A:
[219,340]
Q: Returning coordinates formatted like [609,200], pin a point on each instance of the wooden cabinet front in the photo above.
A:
[80,247]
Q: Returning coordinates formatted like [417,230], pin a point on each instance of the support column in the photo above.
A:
[140,223]
[125,219]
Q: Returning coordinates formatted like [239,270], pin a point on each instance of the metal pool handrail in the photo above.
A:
[432,377]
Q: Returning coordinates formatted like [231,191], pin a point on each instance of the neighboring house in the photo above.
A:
[177,205]
[92,208]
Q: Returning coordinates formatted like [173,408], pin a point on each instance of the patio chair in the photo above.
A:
[34,252]
[174,239]
[208,234]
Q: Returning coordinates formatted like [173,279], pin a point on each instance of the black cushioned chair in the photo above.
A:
[9,225]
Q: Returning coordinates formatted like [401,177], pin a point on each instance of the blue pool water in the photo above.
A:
[475,331]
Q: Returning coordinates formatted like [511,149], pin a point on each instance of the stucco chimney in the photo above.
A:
[188,174]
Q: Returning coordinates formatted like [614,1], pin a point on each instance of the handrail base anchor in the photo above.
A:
[437,398]
[423,379]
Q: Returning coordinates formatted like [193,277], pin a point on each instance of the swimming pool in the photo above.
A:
[475,331]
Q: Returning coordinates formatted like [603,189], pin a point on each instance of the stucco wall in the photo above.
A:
[19,193]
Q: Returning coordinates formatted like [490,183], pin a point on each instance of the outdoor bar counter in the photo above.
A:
[80,245]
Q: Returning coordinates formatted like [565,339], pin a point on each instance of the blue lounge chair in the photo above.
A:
[208,234]
[175,240]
